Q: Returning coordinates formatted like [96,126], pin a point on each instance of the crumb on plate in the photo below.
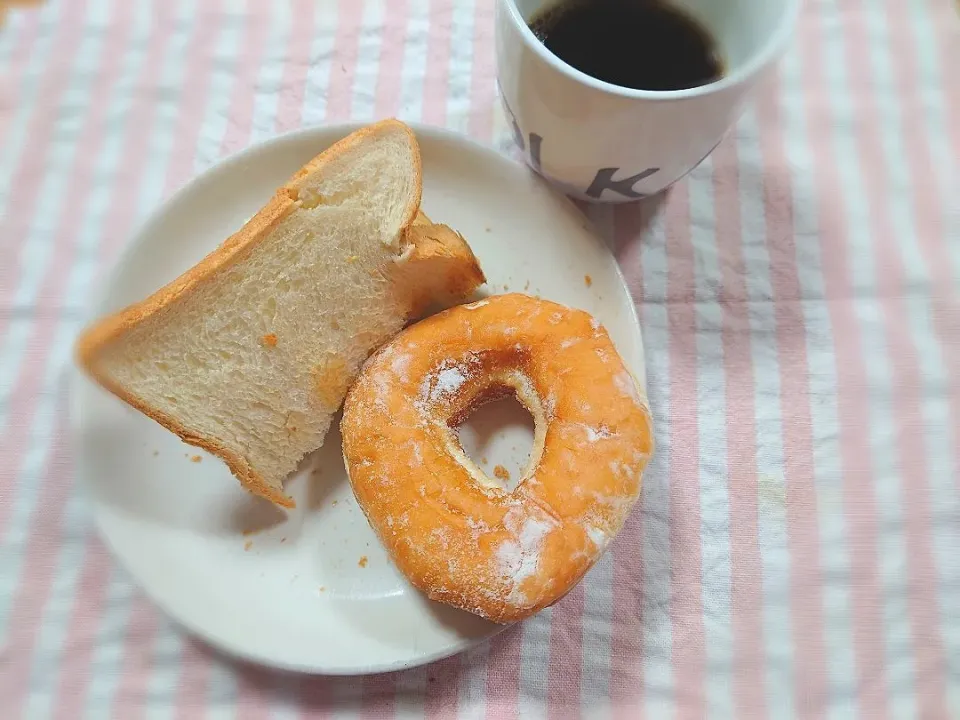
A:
[363,561]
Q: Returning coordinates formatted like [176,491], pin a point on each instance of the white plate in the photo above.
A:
[312,590]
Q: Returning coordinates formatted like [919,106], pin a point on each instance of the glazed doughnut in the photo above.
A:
[455,533]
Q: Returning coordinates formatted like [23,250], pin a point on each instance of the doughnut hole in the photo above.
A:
[498,436]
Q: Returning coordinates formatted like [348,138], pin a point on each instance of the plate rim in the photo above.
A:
[329,134]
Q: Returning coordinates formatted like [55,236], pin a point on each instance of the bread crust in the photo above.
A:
[97,338]
[456,534]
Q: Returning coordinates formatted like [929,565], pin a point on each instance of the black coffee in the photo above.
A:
[639,44]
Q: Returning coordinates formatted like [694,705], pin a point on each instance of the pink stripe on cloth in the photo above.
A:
[296,68]
[194,94]
[136,145]
[443,682]
[390,69]
[746,572]
[892,285]
[343,69]
[626,643]
[503,674]
[315,694]
[246,73]
[16,64]
[255,689]
[944,16]
[379,696]
[483,75]
[852,400]
[564,668]
[686,605]
[436,84]
[29,174]
[32,592]
[189,693]
[87,614]
[130,698]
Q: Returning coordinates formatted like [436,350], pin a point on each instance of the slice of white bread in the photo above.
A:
[249,354]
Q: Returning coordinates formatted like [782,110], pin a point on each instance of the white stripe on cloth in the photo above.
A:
[658,679]
[534,663]
[834,540]
[42,55]
[768,425]
[269,84]
[461,63]
[414,60]
[411,688]
[165,671]
[711,422]
[473,685]
[107,660]
[321,60]
[363,102]
[222,86]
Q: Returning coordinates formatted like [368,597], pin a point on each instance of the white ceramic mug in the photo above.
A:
[606,143]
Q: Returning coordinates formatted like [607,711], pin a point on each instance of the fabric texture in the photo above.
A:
[796,553]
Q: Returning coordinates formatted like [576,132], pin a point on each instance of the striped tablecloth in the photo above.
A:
[797,552]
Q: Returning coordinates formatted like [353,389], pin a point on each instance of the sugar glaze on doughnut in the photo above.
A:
[456,533]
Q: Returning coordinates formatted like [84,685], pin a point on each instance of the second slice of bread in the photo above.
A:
[250,353]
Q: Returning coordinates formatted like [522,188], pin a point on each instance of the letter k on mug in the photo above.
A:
[572,78]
